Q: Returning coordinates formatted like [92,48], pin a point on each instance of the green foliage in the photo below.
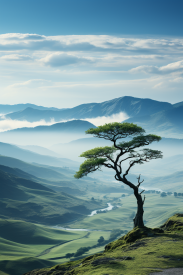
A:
[69,255]
[89,166]
[99,152]
[139,252]
[101,240]
[115,130]
[138,141]
[103,156]
[81,251]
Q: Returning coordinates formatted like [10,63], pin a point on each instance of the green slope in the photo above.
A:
[25,246]
[28,200]
[140,252]
[32,169]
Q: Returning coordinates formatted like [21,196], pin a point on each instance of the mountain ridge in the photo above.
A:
[132,106]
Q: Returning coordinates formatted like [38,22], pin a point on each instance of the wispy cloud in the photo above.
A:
[30,83]
[16,57]
[90,43]
[9,124]
[168,69]
[101,120]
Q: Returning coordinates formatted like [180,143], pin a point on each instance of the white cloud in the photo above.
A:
[62,59]
[9,124]
[90,43]
[168,69]
[16,57]
[101,120]
[29,83]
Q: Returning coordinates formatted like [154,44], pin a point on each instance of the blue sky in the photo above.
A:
[65,53]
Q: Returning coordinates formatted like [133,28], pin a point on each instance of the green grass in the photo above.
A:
[156,210]
[89,239]
[38,245]
[147,250]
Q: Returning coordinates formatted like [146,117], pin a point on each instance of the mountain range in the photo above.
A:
[6,108]
[154,116]
[166,122]
[131,106]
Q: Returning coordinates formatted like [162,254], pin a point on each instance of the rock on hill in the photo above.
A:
[141,252]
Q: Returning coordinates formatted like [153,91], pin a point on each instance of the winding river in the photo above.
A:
[110,207]
[95,212]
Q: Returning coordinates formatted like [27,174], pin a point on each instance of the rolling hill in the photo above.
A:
[33,169]
[28,200]
[142,251]
[14,151]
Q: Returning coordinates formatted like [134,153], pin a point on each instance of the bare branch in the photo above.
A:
[144,199]
[142,192]
[139,182]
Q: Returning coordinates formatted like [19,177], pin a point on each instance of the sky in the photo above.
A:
[64,53]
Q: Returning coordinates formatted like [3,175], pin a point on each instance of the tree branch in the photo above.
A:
[139,182]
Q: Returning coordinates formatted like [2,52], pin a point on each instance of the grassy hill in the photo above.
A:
[28,200]
[25,246]
[33,169]
[140,252]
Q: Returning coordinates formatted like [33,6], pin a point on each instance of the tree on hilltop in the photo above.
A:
[114,157]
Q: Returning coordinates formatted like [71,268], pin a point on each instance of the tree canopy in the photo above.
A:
[113,157]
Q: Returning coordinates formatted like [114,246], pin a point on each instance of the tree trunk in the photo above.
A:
[138,220]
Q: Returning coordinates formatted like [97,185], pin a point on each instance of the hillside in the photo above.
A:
[139,252]
[14,151]
[33,169]
[132,106]
[28,200]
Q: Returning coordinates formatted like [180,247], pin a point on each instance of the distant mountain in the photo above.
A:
[178,104]
[166,123]
[47,135]
[40,150]
[73,126]
[73,149]
[14,151]
[5,108]
[130,105]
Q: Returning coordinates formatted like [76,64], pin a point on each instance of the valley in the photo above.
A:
[48,217]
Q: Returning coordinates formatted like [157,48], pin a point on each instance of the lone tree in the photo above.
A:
[114,157]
